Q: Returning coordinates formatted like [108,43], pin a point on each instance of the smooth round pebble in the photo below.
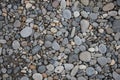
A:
[85,56]
[68,66]
[59,69]
[90,71]
[67,14]
[76,13]
[50,67]
[24,78]
[102,61]
[102,48]
[77,40]
[37,76]
[41,69]
[55,46]
[16,44]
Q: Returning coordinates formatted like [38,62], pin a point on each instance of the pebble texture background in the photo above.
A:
[59,39]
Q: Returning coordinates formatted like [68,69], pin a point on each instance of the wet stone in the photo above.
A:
[102,61]
[102,48]
[90,71]
[55,46]
[36,49]
[85,56]
[1,25]
[67,14]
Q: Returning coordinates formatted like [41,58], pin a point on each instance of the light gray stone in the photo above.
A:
[77,40]
[55,45]
[67,14]
[84,25]
[16,44]
[85,56]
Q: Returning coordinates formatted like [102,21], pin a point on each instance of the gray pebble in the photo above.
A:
[93,16]
[1,25]
[116,26]
[63,4]
[50,67]
[84,25]
[102,48]
[3,70]
[2,41]
[85,56]
[55,45]
[116,76]
[84,14]
[90,71]
[85,2]
[24,78]
[41,69]
[36,49]
[48,44]
[67,14]
[102,61]
[77,40]
[112,13]
[74,70]
[49,38]
[15,44]
[73,58]
[81,78]
[26,32]
[1,18]
[37,76]
[17,23]
[118,2]
[65,41]
[68,66]
[117,36]
[82,48]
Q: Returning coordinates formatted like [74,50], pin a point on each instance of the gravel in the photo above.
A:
[84,25]
[55,46]
[67,14]
[16,44]
[102,48]
[37,76]
[41,69]
[102,61]
[90,71]
[108,6]
[36,49]
[85,56]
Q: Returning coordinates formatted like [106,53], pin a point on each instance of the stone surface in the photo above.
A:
[76,13]
[102,61]
[26,32]
[85,2]
[63,4]
[41,69]
[102,48]
[2,41]
[90,71]
[84,25]
[16,44]
[55,46]
[116,76]
[59,69]
[17,23]
[37,76]
[116,26]
[85,56]
[67,14]
[36,49]
[50,67]
[24,78]
[74,70]
[108,6]
[77,40]
[118,2]
[68,66]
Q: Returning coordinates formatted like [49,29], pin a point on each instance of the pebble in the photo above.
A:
[55,45]
[91,49]
[2,41]
[93,16]
[108,6]
[118,2]
[63,4]
[109,30]
[117,36]
[85,56]
[28,5]
[84,25]
[1,18]
[59,69]
[3,70]
[90,71]
[85,2]
[112,62]
[101,30]
[65,41]
[74,70]
[72,32]
[49,38]
[102,48]
[16,44]
[50,67]
[36,49]
[48,44]
[1,25]
[17,23]
[73,58]
[24,78]
[116,76]
[26,32]
[37,76]
[53,30]
[84,14]
[115,26]
[76,13]
[82,67]
[41,69]
[67,14]
[112,13]
[81,78]
[55,3]
[77,40]
[102,61]
[0,50]
[68,66]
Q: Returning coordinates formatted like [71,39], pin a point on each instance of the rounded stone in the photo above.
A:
[77,40]
[26,32]
[55,46]
[90,71]
[84,25]
[37,76]
[76,13]
[85,56]
[68,66]
[24,78]
[85,2]
[16,44]
[84,14]
[17,23]
[53,30]
[55,3]
[48,44]
[109,30]
[67,14]
[108,6]
[50,67]
[41,69]
[102,48]
[81,78]
[82,67]
[49,38]
[59,69]
[102,61]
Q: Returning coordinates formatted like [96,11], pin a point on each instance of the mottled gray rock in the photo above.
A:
[102,61]
[63,4]
[116,25]
[73,32]
[49,38]
[85,2]
[85,56]
[81,78]
[17,23]
[26,32]
[73,58]
[102,48]
[2,41]
[36,49]
[77,40]
[24,78]
[48,44]
[84,25]
[118,2]
[117,36]
[16,44]
[67,14]
[37,76]
[50,67]
[108,6]
[1,18]
[59,69]
[116,76]
[93,16]
[1,25]
[65,41]
[55,45]
[74,70]
[41,69]
[3,70]
[68,66]
[90,71]
[112,13]
[84,14]
[0,50]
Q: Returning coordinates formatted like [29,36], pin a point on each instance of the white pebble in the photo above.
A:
[59,69]
[76,13]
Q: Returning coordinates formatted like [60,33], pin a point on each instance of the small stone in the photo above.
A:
[93,16]
[82,67]
[1,18]
[53,30]
[49,38]
[117,36]
[24,78]
[2,41]
[26,32]
[76,13]
[74,70]
[112,62]
[65,41]
[73,32]
[85,56]
[16,44]
[102,48]
[101,30]
[28,5]
[48,44]
[55,3]
[36,49]
[108,7]
[112,13]
[29,20]
[1,24]
[3,70]
[73,58]
[118,2]
[102,61]
[63,4]
[41,69]
[0,50]
[77,40]
[84,14]
[68,66]
[109,30]
[50,67]
[67,14]
[17,23]
[116,25]
[116,76]
[59,69]
[91,49]
[84,25]
[85,2]
[90,71]
[37,76]
[55,45]
[81,78]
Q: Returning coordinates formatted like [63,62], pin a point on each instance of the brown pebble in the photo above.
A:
[112,62]
[33,67]
[44,75]
[108,7]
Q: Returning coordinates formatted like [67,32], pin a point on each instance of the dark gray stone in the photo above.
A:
[118,2]
[73,58]
[116,76]
[116,25]
[1,18]
[102,61]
